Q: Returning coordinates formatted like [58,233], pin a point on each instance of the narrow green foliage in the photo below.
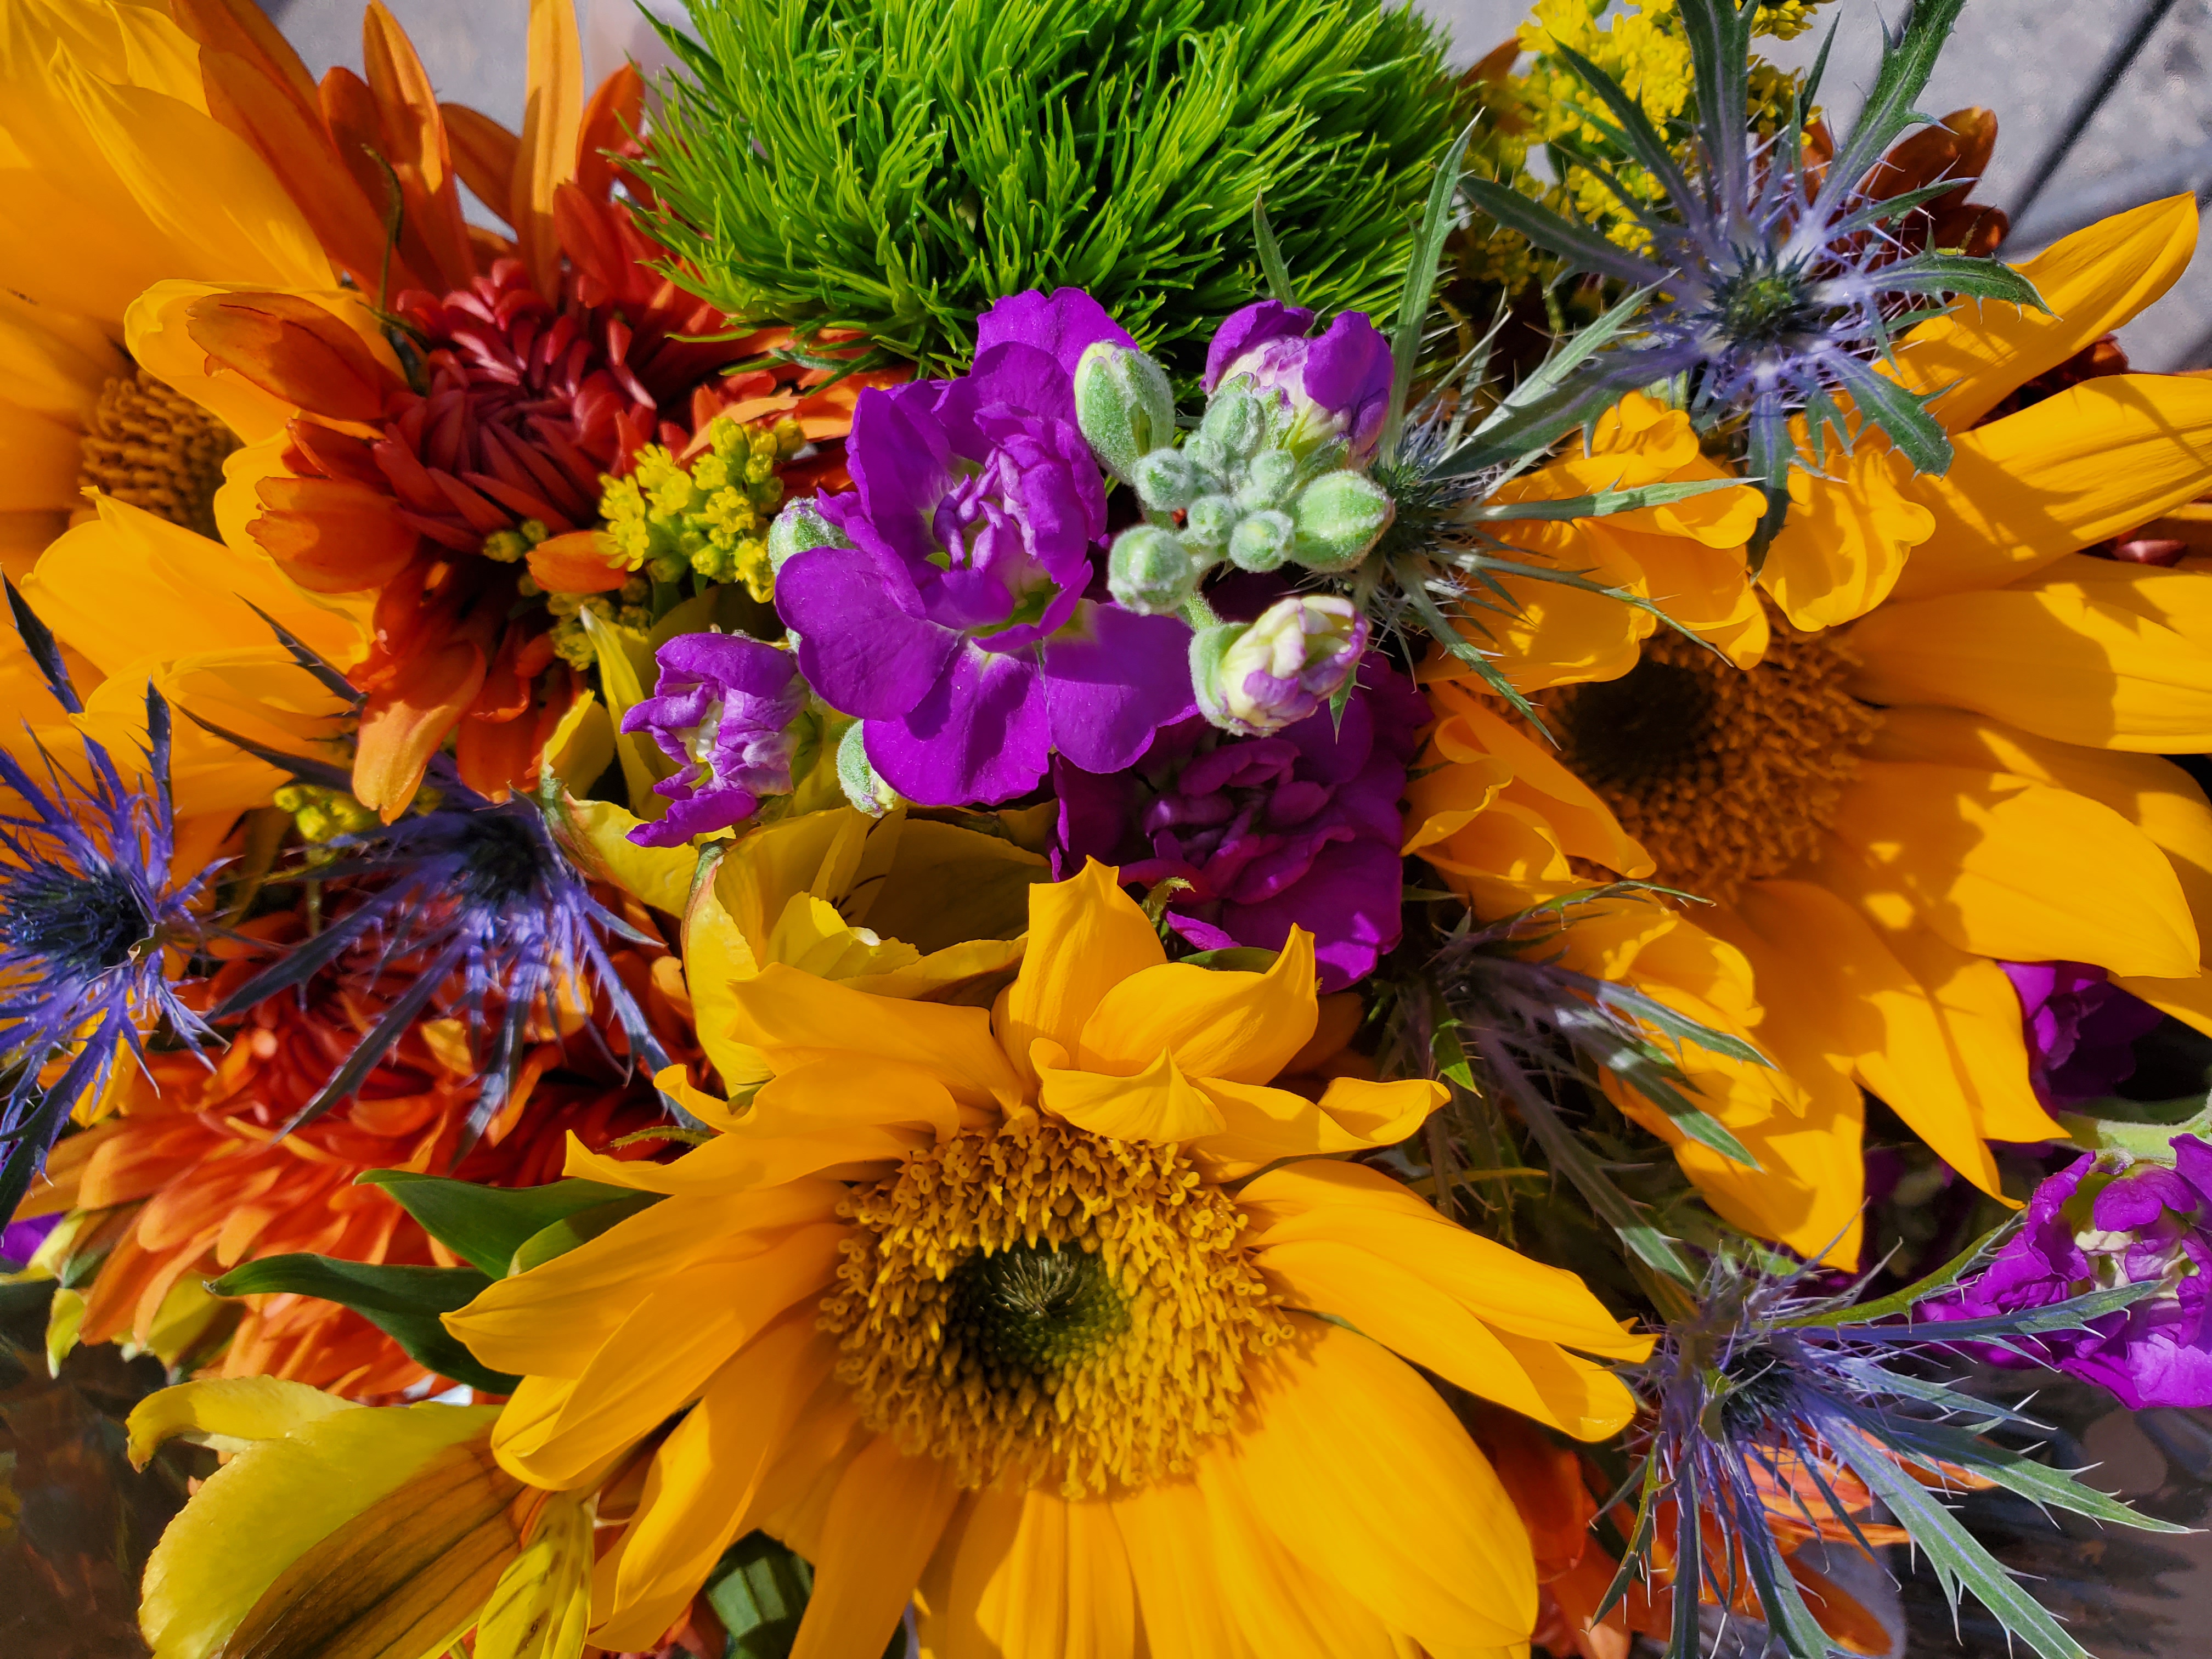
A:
[893,166]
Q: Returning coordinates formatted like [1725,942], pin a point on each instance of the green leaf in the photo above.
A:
[1957,1559]
[1420,283]
[1920,1291]
[1604,503]
[1635,132]
[1557,234]
[565,1235]
[1908,59]
[2152,1141]
[1678,1025]
[1520,430]
[1271,256]
[404,1302]
[486,1225]
[2039,1482]
[1961,273]
[1917,434]
[2071,1315]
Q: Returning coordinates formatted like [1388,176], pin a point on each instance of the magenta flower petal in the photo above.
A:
[980,733]
[1064,323]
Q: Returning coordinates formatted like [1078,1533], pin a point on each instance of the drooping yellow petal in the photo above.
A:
[1356,1206]
[705,1475]
[552,1320]
[155,328]
[1849,532]
[2095,460]
[792,1018]
[271,1502]
[2092,282]
[1239,1027]
[1086,936]
[1157,1104]
[227,1413]
[2058,656]
[884,1524]
[1436,1551]
[1260,1126]
[1393,1303]
[1990,863]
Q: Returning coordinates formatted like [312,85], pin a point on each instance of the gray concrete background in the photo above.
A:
[2029,60]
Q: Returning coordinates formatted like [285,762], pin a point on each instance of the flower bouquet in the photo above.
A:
[1086,829]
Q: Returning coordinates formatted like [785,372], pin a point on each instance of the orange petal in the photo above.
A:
[484,153]
[577,562]
[292,348]
[551,122]
[402,727]
[415,135]
[332,535]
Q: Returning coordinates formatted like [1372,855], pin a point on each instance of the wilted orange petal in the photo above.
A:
[612,121]
[293,348]
[575,563]
[414,133]
[334,535]
[402,727]
[484,153]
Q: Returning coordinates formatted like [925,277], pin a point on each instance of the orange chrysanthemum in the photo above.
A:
[201,1176]
[528,372]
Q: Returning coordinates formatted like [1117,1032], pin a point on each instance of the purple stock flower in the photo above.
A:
[1301,828]
[2080,1028]
[19,1240]
[2099,1224]
[957,624]
[722,711]
[1338,383]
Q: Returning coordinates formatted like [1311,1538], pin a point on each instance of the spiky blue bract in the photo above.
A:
[474,906]
[92,911]
[1777,291]
[1760,1393]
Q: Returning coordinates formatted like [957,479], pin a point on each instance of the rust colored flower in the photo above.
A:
[521,376]
[198,1177]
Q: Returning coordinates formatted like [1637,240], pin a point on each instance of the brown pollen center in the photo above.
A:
[150,447]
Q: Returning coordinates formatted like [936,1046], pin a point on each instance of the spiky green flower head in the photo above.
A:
[894,166]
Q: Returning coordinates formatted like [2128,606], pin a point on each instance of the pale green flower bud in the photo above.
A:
[1210,520]
[1340,515]
[1268,478]
[1150,571]
[1262,541]
[797,528]
[1233,429]
[1168,481]
[858,779]
[1259,677]
[1125,406]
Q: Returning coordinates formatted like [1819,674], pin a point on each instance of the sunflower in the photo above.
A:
[115,176]
[965,1304]
[1685,558]
[1882,813]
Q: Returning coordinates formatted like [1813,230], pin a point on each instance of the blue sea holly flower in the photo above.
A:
[1777,291]
[94,914]
[471,894]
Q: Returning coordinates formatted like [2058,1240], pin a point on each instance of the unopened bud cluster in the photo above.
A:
[1243,490]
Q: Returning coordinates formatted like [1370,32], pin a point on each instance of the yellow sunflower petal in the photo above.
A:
[793,1017]
[1275,1606]
[883,1526]
[2096,459]
[705,1475]
[2092,282]
[228,1414]
[1846,540]
[1437,1552]
[1258,1126]
[1393,1303]
[1168,1536]
[1006,1589]
[1992,862]
[1239,1027]
[1086,936]
[2078,660]
[1157,1104]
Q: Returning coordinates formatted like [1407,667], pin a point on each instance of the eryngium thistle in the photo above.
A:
[1779,290]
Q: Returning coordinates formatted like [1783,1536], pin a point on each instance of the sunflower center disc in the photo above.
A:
[149,446]
[1041,1304]
[1726,776]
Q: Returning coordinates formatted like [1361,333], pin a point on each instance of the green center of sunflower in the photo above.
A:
[147,445]
[1042,1305]
[1726,776]
[1039,1308]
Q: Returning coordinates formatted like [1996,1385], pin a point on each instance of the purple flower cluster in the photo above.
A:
[2081,1029]
[1337,384]
[1296,829]
[958,623]
[722,711]
[2094,1226]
